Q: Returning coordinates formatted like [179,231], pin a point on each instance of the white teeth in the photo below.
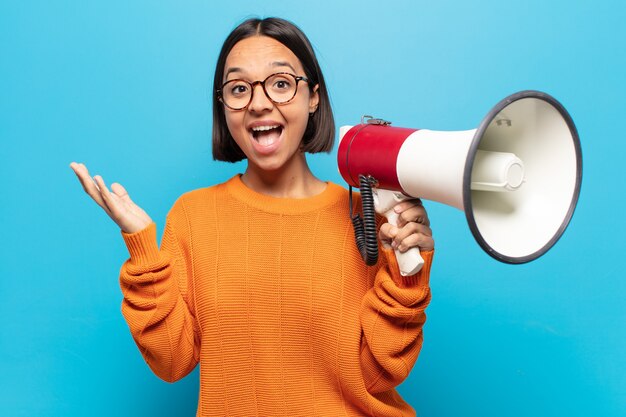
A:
[264,128]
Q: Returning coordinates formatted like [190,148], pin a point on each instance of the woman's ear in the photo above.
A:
[314,100]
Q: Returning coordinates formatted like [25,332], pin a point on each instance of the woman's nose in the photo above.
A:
[259,102]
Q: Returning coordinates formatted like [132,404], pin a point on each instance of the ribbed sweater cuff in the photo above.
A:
[142,245]
[419,279]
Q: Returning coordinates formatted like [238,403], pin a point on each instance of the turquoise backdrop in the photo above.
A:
[124,86]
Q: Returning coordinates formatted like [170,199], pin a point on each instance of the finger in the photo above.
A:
[109,199]
[414,214]
[120,191]
[403,205]
[104,191]
[79,169]
[417,240]
[82,173]
[89,185]
[387,232]
[121,195]
[409,229]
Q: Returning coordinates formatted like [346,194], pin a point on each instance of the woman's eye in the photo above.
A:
[239,89]
[282,84]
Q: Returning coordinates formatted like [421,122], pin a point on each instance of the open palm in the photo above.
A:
[116,203]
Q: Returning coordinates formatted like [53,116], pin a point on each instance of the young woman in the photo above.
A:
[259,279]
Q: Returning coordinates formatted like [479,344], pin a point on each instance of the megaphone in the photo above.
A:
[517,176]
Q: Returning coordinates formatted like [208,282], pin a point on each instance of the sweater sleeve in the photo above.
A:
[156,302]
[392,316]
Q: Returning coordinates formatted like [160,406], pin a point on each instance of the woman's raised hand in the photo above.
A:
[116,202]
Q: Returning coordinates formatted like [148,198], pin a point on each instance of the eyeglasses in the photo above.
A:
[280,88]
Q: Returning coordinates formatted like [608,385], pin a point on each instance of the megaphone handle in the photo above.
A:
[409,262]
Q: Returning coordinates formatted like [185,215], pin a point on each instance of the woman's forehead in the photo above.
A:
[260,54]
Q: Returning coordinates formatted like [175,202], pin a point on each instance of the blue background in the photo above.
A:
[124,86]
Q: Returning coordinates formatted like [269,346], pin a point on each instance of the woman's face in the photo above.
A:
[268,134]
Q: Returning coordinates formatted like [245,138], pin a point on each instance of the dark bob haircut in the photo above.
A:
[319,135]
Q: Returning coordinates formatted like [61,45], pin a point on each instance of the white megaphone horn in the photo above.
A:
[517,176]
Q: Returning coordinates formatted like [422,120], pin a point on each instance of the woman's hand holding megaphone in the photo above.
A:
[411,229]
[116,202]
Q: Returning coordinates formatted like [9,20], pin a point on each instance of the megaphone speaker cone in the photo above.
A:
[520,226]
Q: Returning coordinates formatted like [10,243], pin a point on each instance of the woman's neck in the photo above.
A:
[294,180]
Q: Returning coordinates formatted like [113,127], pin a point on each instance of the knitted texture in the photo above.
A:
[271,296]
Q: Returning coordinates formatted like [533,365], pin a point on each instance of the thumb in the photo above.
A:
[119,191]
[387,231]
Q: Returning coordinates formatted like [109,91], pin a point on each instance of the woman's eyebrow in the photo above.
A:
[283,64]
[232,69]
[273,64]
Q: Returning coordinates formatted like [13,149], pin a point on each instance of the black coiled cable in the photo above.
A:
[365,227]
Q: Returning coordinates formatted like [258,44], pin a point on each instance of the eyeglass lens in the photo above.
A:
[280,88]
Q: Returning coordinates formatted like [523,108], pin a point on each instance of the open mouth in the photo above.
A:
[266,135]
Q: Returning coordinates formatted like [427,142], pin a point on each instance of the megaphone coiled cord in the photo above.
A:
[365,227]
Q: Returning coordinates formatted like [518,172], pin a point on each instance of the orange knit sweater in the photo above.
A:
[271,296]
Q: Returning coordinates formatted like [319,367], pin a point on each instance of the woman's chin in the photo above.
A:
[271,164]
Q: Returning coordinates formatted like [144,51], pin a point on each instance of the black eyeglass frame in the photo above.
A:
[253,84]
